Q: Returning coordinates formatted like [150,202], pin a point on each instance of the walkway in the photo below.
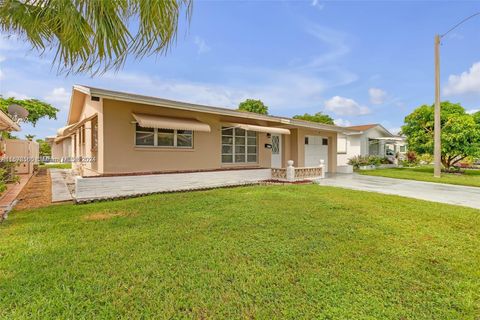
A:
[7,200]
[61,179]
[437,192]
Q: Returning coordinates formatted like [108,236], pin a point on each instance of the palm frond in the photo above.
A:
[93,36]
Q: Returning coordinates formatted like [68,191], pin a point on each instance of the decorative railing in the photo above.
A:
[308,172]
[279,173]
[294,174]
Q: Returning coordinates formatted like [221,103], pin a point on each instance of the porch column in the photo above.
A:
[88,143]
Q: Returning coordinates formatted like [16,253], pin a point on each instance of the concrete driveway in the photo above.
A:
[438,192]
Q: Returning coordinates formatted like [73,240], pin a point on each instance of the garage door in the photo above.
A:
[316,148]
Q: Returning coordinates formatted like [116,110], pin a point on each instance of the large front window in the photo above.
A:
[154,137]
[239,146]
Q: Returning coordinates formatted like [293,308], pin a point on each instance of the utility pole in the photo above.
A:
[437,149]
[437,152]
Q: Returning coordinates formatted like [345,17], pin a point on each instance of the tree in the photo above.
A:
[317,117]
[253,105]
[36,109]
[45,150]
[460,132]
[476,117]
[29,137]
[94,36]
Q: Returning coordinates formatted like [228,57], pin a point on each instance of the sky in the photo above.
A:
[359,62]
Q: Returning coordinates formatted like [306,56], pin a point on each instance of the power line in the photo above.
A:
[455,26]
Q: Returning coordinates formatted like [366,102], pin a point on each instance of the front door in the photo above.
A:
[276,150]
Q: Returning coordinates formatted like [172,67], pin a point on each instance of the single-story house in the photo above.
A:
[123,134]
[369,139]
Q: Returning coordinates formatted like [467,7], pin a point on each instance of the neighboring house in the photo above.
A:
[7,124]
[134,134]
[369,139]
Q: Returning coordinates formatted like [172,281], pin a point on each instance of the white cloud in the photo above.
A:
[2,75]
[202,46]
[16,95]
[59,96]
[472,111]
[345,107]
[336,42]
[466,82]
[377,95]
[2,58]
[342,122]
[317,4]
[279,90]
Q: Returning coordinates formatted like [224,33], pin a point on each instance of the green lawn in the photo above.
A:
[297,252]
[57,166]
[468,178]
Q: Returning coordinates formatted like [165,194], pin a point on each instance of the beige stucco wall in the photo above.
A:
[57,149]
[122,156]
[118,154]
[25,152]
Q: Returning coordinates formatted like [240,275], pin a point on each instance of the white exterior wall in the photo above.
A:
[122,186]
[353,149]
[359,145]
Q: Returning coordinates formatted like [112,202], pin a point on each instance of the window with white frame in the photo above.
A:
[169,138]
[341,143]
[239,145]
[403,149]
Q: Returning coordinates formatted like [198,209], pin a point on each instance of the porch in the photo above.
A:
[387,147]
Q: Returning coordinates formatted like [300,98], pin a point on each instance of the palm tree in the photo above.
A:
[95,35]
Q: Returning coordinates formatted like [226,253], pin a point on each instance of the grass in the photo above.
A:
[57,166]
[468,178]
[297,252]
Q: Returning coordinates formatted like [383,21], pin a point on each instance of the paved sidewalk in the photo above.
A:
[8,198]
[60,190]
[430,191]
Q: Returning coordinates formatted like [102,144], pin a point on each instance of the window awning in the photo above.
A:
[62,131]
[152,121]
[251,127]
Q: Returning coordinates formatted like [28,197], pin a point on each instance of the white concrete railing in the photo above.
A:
[293,174]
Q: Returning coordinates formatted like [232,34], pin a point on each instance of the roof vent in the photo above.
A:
[94,98]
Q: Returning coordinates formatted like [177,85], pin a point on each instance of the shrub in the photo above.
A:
[360,161]
[412,157]
[7,174]
[3,182]
[425,158]
[465,163]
